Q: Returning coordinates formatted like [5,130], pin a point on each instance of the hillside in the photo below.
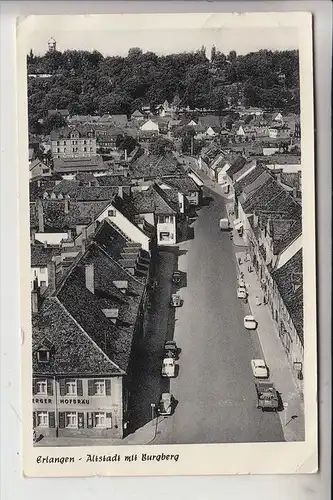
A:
[89,83]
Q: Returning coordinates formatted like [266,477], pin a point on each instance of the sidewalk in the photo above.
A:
[292,418]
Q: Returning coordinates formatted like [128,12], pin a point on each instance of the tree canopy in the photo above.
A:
[89,83]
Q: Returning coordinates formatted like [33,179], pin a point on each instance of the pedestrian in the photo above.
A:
[239,261]
[258,301]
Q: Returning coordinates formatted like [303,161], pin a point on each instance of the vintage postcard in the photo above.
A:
[167,214]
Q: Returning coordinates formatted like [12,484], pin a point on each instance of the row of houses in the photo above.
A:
[93,246]
[268,214]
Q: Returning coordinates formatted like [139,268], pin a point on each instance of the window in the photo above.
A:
[42,270]
[165,236]
[71,419]
[91,149]
[42,419]
[65,150]
[84,142]
[58,143]
[165,219]
[99,387]
[111,213]
[58,150]
[65,143]
[84,149]
[71,387]
[100,420]
[42,284]
[41,387]
[43,356]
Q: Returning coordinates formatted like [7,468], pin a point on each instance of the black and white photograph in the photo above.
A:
[168,188]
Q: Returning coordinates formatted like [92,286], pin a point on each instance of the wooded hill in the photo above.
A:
[89,83]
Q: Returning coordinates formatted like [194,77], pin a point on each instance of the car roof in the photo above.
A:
[249,317]
[258,361]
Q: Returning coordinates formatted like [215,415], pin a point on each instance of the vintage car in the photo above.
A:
[171,349]
[176,277]
[241,283]
[241,292]
[259,368]
[250,323]
[175,300]
[166,404]
[168,367]
[267,396]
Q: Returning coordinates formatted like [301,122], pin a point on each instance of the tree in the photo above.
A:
[232,56]
[127,143]
[161,146]
[213,54]
[53,122]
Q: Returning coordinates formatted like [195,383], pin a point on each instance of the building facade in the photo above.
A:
[73,142]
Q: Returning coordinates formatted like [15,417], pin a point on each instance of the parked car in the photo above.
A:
[171,349]
[175,300]
[166,404]
[176,277]
[241,283]
[168,367]
[259,368]
[250,323]
[241,292]
[267,396]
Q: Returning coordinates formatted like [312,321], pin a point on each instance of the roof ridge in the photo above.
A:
[88,336]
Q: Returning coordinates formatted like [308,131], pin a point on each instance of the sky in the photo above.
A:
[166,41]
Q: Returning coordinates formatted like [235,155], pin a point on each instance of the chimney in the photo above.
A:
[89,272]
[35,297]
[295,192]
[40,216]
[125,152]
[66,206]
[51,275]
[69,233]
[45,244]
[84,233]
[120,191]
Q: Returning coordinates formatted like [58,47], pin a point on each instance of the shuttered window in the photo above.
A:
[51,419]
[99,387]
[80,420]
[49,387]
[41,387]
[79,387]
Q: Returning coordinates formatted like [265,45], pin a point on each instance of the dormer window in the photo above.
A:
[43,356]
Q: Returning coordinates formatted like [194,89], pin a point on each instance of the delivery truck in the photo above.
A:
[224,225]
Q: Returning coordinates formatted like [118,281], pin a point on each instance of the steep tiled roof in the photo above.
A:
[110,239]
[291,179]
[152,166]
[236,165]
[41,255]
[250,179]
[87,307]
[73,352]
[210,121]
[292,296]
[153,200]
[37,187]
[55,218]
[84,164]
[271,197]
[74,191]
[284,231]
[65,132]
[114,180]
[183,183]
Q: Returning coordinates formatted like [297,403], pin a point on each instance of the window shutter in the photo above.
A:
[108,387]
[91,388]
[34,386]
[79,388]
[34,419]
[89,420]
[61,419]
[49,387]
[51,419]
[80,420]
[62,387]
[109,420]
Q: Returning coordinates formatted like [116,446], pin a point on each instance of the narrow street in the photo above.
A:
[215,386]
